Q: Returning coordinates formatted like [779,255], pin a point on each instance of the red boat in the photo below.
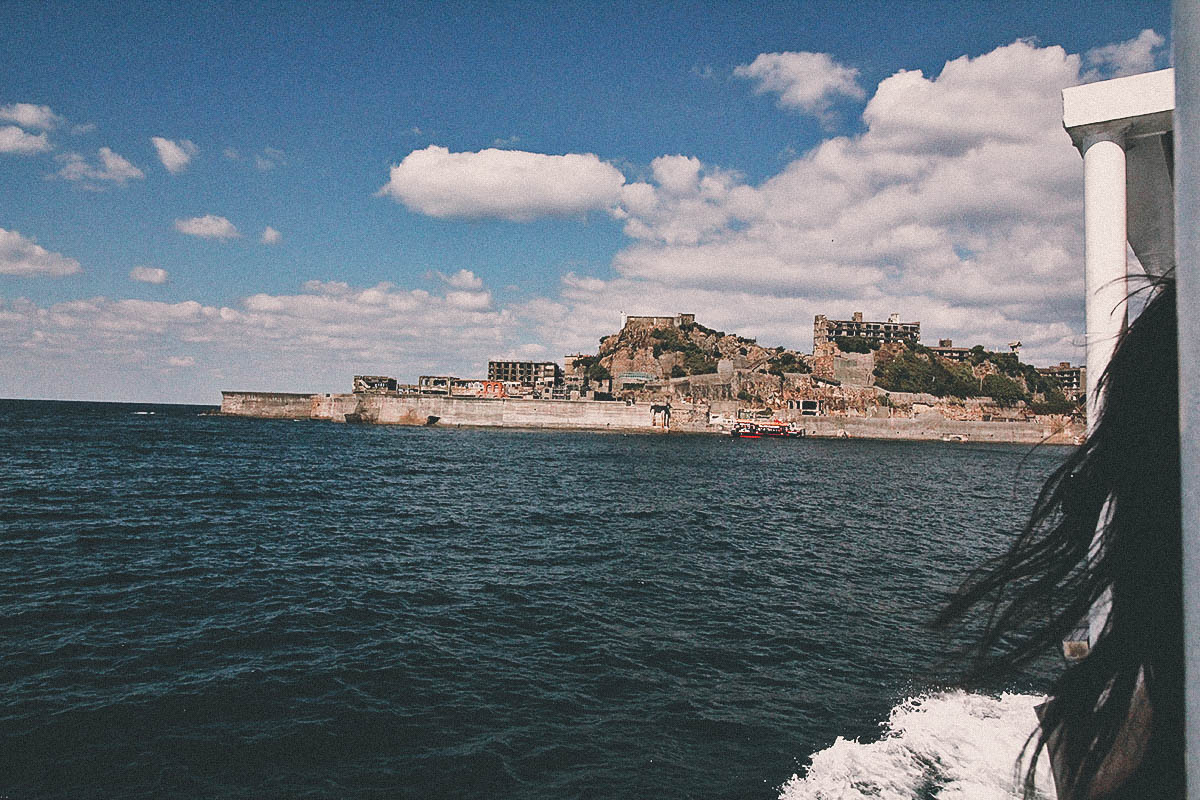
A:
[758,430]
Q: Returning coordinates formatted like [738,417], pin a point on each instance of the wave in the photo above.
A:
[945,745]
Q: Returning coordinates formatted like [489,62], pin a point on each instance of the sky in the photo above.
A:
[276,197]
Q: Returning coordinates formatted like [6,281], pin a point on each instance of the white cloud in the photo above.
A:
[269,159]
[808,82]
[20,255]
[29,115]
[270,236]
[174,155]
[15,140]
[148,274]
[231,153]
[503,184]
[1139,54]
[111,167]
[181,361]
[209,226]
[314,340]
[463,279]
[959,206]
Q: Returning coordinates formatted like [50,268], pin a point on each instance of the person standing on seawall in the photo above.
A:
[1113,727]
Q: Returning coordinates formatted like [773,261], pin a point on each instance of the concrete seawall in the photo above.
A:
[391,409]
[934,426]
[445,411]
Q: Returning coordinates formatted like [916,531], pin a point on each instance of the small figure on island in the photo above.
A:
[1106,527]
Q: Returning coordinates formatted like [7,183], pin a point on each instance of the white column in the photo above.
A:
[1104,256]
[1186,42]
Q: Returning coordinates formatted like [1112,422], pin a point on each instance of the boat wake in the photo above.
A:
[945,745]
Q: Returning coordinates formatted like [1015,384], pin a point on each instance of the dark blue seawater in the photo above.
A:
[196,606]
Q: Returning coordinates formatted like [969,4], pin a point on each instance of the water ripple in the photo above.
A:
[200,606]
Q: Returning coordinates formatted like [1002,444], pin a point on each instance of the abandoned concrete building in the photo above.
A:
[948,351]
[374,384]
[1072,379]
[534,374]
[436,384]
[659,322]
[450,386]
[827,331]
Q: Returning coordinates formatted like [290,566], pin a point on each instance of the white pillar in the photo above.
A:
[1186,41]
[1104,256]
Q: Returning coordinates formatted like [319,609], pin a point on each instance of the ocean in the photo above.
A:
[200,606]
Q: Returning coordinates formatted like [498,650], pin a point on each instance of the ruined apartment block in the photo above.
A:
[948,351]
[1072,379]
[827,331]
[532,374]
[374,384]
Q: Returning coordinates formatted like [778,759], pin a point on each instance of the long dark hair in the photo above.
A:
[1037,593]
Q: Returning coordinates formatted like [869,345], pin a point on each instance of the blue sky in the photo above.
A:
[257,196]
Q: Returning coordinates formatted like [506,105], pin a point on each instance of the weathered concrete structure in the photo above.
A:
[856,413]
[827,331]
[374,383]
[658,322]
[442,410]
[533,374]
[1072,379]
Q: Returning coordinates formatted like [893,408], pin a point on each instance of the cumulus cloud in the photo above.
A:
[175,156]
[111,168]
[148,274]
[270,236]
[503,184]
[463,279]
[1139,54]
[958,206]
[30,115]
[315,339]
[15,140]
[209,226]
[20,255]
[807,82]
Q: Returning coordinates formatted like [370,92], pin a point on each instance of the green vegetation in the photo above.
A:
[919,369]
[1003,390]
[855,344]
[695,360]
[688,327]
[593,369]
[1055,403]
[784,361]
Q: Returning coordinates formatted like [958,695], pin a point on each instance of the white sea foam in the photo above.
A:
[946,745]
